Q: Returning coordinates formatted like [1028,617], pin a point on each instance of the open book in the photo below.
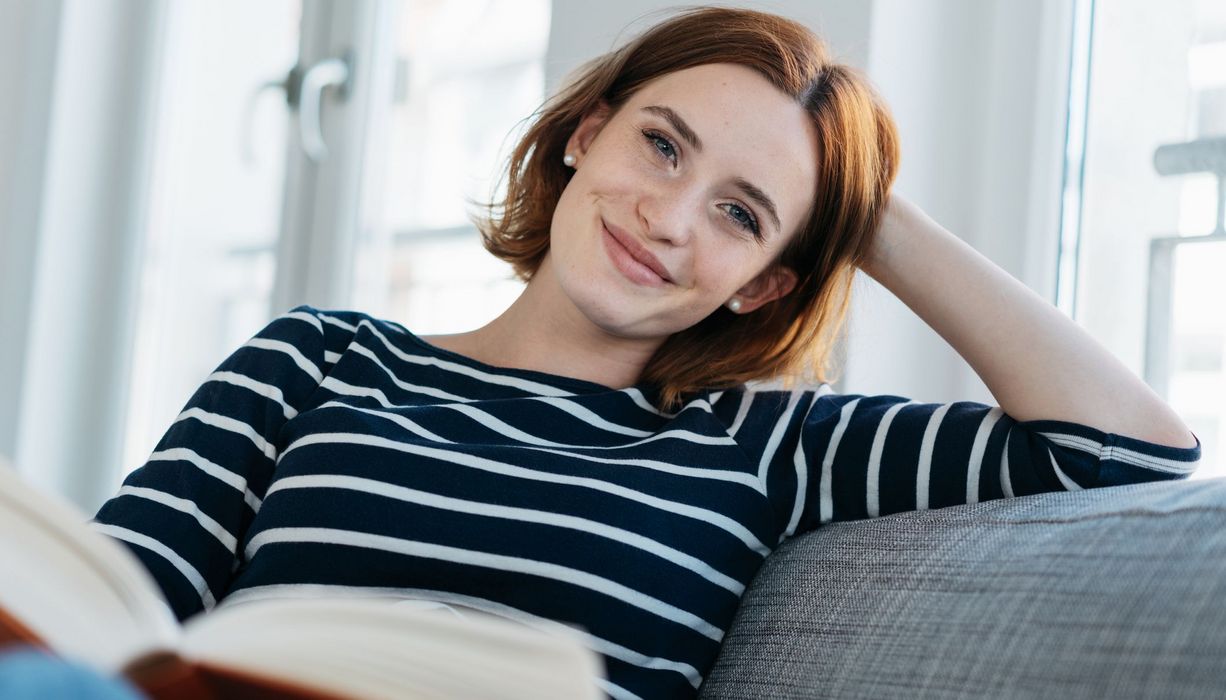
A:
[85,597]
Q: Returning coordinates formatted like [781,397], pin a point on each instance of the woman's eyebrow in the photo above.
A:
[760,197]
[752,191]
[678,123]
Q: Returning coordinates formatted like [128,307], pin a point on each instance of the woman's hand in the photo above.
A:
[1037,362]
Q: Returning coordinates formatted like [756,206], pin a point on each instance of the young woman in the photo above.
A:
[688,213]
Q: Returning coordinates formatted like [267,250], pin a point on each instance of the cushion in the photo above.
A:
[1113,592]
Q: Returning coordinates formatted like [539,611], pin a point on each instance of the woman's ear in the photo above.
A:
[589,126]
[771,284]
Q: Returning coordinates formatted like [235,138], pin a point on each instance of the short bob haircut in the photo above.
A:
[791,338]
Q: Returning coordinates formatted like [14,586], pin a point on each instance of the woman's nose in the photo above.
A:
[669,214]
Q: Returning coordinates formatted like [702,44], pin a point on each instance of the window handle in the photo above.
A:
[303,93]
[330,71]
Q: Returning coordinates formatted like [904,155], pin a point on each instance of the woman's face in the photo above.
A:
[712,170]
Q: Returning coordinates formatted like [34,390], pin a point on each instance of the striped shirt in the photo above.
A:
[336,453]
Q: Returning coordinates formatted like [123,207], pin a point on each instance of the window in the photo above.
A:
[1150,75]
[218,171]
[471,73]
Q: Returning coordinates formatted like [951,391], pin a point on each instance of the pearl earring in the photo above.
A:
[569,159]
[734,304]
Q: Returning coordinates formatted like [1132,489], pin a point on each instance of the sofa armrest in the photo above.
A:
[1111,592]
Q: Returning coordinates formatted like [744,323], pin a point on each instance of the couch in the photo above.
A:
[1113,592]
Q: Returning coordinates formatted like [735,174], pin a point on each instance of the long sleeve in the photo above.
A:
[184,512]
[849,457]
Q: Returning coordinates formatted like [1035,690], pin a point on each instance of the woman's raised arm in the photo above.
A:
[1038,363]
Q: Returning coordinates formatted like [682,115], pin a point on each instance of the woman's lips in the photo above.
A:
[634,270]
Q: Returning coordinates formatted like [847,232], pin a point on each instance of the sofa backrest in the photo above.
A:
[1112,592]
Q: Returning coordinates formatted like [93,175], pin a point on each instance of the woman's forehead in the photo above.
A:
[717,86]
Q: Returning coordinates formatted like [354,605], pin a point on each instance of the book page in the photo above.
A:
[85,595]
[377,649]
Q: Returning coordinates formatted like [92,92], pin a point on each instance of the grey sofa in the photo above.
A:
[1113,592]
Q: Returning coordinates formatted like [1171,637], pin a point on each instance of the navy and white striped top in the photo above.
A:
[338,453]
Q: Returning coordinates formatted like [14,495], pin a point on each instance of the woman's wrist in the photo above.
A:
[900,216]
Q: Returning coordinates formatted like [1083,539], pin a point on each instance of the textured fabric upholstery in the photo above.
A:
[1105,593]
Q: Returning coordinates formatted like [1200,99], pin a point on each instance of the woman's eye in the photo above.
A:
[745,220]
[739,215]
[661,143]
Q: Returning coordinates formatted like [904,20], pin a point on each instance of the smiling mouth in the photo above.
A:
[630,268]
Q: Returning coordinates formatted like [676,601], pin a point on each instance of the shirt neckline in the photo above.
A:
[582,385]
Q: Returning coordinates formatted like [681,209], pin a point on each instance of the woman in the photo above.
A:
[688,213]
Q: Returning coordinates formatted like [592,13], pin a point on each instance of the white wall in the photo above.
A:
[977,88]
[978,91]
[583,30]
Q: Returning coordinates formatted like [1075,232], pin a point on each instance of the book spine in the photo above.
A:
[233,684]
[12,631]
[164,675]
[167,676]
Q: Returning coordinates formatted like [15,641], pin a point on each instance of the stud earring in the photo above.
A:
[734,305]
[569,159]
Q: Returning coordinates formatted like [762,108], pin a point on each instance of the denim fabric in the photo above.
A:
[26,672]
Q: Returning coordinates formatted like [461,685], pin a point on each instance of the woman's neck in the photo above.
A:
[543,331]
